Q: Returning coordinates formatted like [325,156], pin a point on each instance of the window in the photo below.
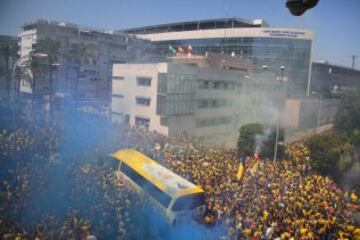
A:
[143,81]
[126,118]
[143,101]
[202,103]
[189,202]
[163,121]
[118,96]
[203,84]
[117,113]
[150,188]
[217,85]
[206,122]
[118,77]
[142,121]
[214,103]
[162,83]
[161,104]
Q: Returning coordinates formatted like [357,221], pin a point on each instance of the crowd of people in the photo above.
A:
[284,200]
[59,189]
[12,142]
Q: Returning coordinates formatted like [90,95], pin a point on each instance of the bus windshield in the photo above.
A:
[189,202]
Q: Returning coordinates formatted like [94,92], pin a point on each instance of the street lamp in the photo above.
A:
[281,79]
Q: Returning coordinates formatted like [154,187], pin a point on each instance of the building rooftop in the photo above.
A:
[39,22]
[9,38]
[214,60]
[336,66]
[200,25]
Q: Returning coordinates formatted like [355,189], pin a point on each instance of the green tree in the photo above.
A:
[325,152]
[246,141]
[8,51]
[347,118]
[50,48]
[349,167]
[80,53]
[34,68]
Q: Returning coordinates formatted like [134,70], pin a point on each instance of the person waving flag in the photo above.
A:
[181,50]
[240,172]
[190,50]
[172,49]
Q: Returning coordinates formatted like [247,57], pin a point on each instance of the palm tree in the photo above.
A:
[33,69]
[8,50]
[50,48]
[79,53]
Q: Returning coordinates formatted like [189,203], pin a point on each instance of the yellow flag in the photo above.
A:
[240,171]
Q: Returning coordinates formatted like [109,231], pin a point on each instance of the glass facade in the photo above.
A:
[176,94]
[206,122]
[294,54]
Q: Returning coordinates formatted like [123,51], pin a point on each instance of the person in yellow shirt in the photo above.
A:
[356,233]
[303,232]
[247,232]
[285,236]
[265,216]
[353,197]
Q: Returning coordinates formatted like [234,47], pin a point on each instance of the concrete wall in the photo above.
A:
[292,113]
[302,114]
[129,89]
[222,132]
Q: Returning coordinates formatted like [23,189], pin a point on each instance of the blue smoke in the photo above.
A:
[56,187]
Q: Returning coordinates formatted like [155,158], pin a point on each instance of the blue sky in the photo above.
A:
[335,22]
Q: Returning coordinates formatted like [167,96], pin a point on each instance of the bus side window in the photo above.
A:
[189,202]
[156,193]
[159,195]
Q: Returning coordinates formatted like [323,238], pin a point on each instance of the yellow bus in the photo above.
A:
[175,196]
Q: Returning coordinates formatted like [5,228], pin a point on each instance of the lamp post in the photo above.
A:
[281,79]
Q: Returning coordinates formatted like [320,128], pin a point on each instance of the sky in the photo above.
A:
[335,22]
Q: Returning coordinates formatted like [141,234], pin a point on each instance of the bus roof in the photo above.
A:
[161,177]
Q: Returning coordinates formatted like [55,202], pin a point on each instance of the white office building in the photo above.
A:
[254,40]
[171,98]
[95,76]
